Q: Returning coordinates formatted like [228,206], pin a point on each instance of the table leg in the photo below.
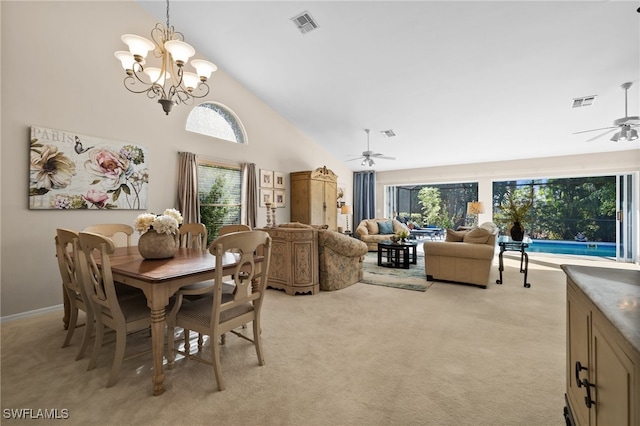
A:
[405,257]
[157,344]
[380,256]
[526,268]
[415,254]
[501,265]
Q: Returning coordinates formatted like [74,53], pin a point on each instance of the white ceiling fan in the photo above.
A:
[368,155]
[626,124]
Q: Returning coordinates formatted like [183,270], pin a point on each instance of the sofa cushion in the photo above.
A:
[372,227]
[477,236]
[454,236]
[489,226]
[385,227]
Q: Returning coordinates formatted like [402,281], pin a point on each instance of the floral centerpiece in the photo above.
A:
[402,234]
[164,242]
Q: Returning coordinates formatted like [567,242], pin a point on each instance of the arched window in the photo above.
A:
[216,120]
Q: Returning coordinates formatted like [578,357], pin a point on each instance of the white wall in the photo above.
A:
[59,72]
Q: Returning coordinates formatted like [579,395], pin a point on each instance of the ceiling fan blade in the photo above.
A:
[353,159]
[594,130]
[383,157]
[600,135]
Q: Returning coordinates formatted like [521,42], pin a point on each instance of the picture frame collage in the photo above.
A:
[272,188]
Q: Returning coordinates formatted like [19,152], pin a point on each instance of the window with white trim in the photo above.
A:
[220,194]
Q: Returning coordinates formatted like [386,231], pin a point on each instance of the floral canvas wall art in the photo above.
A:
[73,171]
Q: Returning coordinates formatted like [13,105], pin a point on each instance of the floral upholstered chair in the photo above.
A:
[341,259]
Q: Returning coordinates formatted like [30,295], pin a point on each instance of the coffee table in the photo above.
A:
[397,255]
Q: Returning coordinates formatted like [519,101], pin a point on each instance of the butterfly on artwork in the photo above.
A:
[79,148]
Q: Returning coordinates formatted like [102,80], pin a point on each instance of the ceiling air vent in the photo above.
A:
[304,22]
[388,133]
[583,102]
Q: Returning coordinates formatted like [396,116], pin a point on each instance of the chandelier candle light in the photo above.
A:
[170,83]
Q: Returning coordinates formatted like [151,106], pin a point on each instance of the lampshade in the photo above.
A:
[632,134]
[180,51]
[125,58]
[345,209]
[204,69]
[137,45]
[190,80]
[475,207]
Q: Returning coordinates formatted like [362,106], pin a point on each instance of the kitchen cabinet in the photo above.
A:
[603,346]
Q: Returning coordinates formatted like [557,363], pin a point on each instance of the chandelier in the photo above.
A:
[170,83]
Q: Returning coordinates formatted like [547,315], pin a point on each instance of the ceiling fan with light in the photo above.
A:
[368,155]
[626,124]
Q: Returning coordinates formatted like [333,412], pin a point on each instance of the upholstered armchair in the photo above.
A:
[465,256]
[341,259]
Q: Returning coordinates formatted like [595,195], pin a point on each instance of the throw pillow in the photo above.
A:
[477,236]
[489,226]
[385,227]
[372,227]
[454,236]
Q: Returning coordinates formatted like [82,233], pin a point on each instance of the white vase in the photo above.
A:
[153,245]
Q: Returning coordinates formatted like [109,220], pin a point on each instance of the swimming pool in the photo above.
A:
[587,248]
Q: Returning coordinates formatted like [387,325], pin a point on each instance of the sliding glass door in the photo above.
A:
[626,185]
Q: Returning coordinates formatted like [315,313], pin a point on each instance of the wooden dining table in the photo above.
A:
[159,279]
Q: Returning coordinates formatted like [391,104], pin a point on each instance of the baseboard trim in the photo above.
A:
[33,313]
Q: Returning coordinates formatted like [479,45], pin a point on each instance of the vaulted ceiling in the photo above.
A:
[457,81]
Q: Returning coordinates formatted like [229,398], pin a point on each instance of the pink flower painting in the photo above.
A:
[72,171]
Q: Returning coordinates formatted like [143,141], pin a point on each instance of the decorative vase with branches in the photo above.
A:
[516,212]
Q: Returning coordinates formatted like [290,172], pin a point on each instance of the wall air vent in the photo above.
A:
[388,133]
[583,102]
[304,22]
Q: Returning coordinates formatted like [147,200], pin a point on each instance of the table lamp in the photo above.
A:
[474,208]
[346,210]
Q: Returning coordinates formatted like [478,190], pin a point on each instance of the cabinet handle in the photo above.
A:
[578,368]
[587,399]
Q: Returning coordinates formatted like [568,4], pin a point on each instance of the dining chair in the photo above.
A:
[120,233]
[193,235]
[123,315]
[66,248]
[227,229]
[221,312]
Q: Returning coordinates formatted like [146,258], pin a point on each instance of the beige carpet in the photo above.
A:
[364,355]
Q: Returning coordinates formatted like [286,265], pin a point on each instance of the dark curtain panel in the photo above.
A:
[250,194]
[364,196]
[188,201]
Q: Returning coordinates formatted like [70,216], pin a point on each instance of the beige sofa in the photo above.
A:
[369,231]
[465,256]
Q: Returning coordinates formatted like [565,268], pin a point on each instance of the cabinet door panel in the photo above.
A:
[613,383]
[577,351]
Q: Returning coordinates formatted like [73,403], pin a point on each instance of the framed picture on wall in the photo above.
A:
[266,197]
[72,171]
[266,178]
[278,180]
[279,198]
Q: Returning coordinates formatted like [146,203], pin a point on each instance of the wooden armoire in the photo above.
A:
[314,197]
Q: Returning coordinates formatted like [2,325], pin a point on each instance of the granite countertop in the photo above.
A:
[616,293]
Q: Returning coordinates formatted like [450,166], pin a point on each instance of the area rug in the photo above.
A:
[413,278]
